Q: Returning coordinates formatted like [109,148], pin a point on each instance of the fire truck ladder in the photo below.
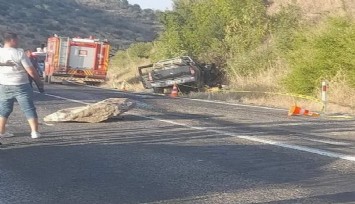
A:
[63,53]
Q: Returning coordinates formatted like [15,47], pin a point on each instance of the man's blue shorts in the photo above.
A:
[24,96]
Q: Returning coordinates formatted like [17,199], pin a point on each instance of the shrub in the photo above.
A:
[123,60]
[321,53]
[140,50]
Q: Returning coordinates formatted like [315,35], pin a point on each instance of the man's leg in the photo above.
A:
[25,99]
[33,124]
[6,107]
[3,122]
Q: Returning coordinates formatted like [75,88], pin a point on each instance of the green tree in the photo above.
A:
[320,53]
[197,27]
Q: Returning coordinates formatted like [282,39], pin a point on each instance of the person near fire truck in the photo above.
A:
[14,85]
[34,62]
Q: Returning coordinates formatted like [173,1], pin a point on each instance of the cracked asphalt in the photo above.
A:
[176,151]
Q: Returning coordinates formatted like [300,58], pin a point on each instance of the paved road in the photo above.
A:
[177,151]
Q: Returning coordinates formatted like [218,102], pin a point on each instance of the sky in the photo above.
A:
[153,4]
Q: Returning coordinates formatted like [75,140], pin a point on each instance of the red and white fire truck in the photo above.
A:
[76,59]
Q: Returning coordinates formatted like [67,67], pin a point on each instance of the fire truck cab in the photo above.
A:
[76,59]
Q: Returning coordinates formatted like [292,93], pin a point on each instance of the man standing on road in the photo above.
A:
[34,63]
[15,67]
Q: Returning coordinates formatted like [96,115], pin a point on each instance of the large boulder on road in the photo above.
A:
[93,113]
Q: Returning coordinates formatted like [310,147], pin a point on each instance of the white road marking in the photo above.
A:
[302,148]
[63,98]
[249,138]
[328,142]
[200,100]
[68,99]
[264,141]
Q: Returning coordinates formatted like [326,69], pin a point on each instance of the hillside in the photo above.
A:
[314,9]
[265,46]
[115,20]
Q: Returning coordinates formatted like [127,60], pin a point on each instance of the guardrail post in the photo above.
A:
[324,95]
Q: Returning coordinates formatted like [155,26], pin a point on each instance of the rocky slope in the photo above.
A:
[115,20]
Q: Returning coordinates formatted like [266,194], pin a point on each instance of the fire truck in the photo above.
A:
[76,59]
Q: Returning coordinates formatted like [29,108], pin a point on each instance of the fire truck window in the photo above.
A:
[83,53]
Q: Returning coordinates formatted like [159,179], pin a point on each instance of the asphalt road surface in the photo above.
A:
[176,151]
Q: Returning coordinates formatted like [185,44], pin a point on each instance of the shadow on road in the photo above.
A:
[137,160]
[151,162]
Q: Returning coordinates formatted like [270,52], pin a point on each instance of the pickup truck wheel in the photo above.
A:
[158,90]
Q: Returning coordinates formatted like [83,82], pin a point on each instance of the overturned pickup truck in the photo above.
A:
[181,71]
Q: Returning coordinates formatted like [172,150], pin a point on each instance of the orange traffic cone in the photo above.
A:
[175,92]
[298,111]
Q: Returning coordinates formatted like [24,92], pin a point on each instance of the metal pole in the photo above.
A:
[325,88]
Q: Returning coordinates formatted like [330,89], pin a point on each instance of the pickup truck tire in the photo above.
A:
[158,90]
[200,87]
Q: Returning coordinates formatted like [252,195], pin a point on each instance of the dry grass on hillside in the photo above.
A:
[126,78]
[341,95]
[313,8]
[267,81]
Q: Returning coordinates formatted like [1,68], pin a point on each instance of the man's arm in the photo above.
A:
[34,63]
[26,63]
[33,73]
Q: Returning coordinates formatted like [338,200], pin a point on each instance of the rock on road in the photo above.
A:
[176,151]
